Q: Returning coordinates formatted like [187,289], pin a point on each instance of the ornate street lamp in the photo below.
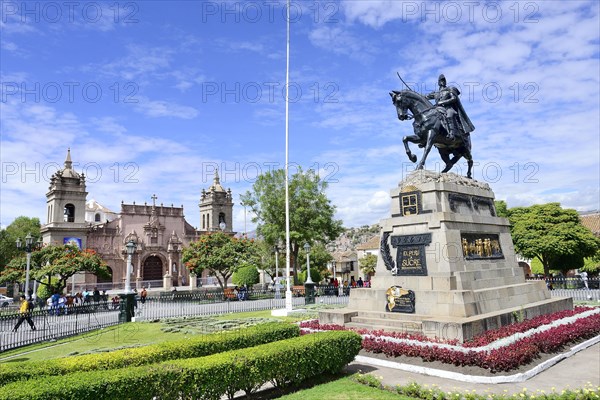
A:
[130,247]
[28,249]
[307,250]
[127,311]
[277,288]
[333,267]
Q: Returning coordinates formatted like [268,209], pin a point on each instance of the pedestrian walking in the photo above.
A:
[25,314]
[584,278]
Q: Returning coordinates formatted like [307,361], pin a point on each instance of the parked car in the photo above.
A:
[5,301]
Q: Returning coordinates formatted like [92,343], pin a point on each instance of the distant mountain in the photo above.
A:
[249,235]
[352,237]
[347,241]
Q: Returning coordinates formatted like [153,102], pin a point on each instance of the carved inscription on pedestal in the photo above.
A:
[410,254]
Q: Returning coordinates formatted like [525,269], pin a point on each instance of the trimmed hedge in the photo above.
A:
[195,346]
[285,362]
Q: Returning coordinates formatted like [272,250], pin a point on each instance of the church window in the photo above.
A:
[221,217]
[203,222]
[69,213]
[97,217]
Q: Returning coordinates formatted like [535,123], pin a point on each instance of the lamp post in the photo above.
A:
[28,249]
[307,250]
[126,310]
[333,268]
[309,285]
[277,289]
[131,247]
[245,231]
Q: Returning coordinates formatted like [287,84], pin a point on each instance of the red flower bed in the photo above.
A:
[508,330]
[504,358]
[481,340]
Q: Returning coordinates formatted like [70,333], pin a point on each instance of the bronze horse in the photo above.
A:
[430,131]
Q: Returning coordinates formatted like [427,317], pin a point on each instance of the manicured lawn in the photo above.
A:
[343,389]
[111,338]
[142,333]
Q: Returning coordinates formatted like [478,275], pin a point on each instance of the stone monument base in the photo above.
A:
[447,266]
[432,326]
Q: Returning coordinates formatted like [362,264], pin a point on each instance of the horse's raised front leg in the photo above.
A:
[430,137]
[412,139]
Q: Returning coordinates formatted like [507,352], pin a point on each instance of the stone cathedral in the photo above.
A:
[160,232]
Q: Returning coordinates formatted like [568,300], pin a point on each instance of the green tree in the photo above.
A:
[368,264]
[311,212]
[501,208]
[314,274]
[319,258]
[266,257]
[247,275]
[553,235]
[54,265]
[592,264]
[221,255]
[19,228]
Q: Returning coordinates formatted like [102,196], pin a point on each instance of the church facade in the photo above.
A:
[159,232]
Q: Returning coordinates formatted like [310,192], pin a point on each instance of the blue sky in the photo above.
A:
[151,96]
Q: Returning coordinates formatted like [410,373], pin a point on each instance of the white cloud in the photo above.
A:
[159,108]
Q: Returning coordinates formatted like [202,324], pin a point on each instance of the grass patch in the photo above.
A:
[135,334]
[343,389]
[102,340]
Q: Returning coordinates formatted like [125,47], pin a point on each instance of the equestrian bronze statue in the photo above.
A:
[444,125]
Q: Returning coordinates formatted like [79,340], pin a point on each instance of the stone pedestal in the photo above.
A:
[126,307]
[445,250]
[167,282]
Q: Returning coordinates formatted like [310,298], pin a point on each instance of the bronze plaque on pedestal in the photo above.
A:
[400,300]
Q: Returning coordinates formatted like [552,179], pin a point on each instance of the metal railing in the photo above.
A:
[208,301]
[54,323]
[59,322]
[576,287]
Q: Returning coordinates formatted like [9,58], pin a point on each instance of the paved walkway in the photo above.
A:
[581,370]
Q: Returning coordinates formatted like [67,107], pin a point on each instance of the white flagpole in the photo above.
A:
[288,291]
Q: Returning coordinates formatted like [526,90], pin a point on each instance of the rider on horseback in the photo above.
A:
[447,101]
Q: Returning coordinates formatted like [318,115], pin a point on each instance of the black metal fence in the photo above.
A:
[53,324]
[216,301]
[60,322]
[56,323]
[578,288]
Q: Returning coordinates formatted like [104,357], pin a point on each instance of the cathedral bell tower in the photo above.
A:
[216,208]
[65,211]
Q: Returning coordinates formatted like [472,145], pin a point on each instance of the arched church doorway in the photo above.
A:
[153,269]
[103,279]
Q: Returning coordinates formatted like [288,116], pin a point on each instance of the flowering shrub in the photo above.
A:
[425,392]
[508,330]
[502,357]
